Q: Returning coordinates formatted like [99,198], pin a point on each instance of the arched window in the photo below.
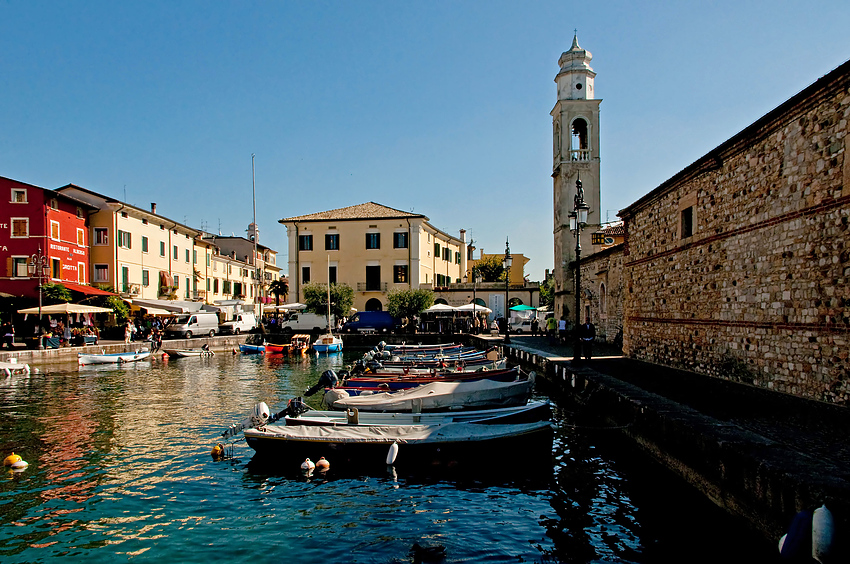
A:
[441,301]
[479,301]
[579,147]
[374,305]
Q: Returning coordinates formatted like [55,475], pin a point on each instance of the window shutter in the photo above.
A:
[10,266]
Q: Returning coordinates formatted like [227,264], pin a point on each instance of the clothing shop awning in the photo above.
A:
[89,290]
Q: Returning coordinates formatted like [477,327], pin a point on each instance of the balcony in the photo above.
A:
[130,290]
[371,287]
[580,155]
[199,295]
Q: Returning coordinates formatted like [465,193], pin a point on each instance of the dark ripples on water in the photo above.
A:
[120,470]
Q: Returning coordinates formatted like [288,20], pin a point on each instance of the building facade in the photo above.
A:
[37,219]
[739,265]
[137,252]
[373,249]
[575,156]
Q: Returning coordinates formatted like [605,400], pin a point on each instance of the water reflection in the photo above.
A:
[120,466]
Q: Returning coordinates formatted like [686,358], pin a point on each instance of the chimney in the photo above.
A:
[463,235]
[153,207]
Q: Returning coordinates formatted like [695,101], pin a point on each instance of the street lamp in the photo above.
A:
[39,268]
[507,264]
[476,279]
[578,219]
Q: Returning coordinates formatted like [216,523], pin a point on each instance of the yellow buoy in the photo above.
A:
[11,459]
[322,465]
[217,451]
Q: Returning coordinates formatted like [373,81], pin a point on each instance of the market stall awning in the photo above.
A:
[440,308]
[65,308]
[287,307]
[522,307]
[174,306]
[474,307]
[88,290]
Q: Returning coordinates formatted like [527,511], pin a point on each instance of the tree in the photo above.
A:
[119,307]
[547,291]
[491,268]
[316,299]
[56,293]
[279,287]
[408,303]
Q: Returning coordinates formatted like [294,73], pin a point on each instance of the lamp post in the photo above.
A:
[578,218]
[38,267]
[507,264]
[476,279]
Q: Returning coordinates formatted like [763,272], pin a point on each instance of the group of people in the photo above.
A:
[559,334]
[148,328]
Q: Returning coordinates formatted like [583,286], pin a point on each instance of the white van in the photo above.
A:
[303,321]
[196,323]
[242,322]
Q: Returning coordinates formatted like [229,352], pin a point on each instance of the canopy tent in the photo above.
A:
[174,306]
[156,312]
[65,309]
[440,308]
[469,307]
[522,307]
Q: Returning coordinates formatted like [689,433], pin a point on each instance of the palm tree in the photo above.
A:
[278,287]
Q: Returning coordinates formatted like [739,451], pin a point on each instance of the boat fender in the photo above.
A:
[234,350]
[797,542]
[308,465]
[323,465]
[823,534]
[19,465]
[392,454]
[11,459]
[332,396]
[217,451]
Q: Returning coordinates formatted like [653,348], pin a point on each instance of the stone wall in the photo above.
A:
[602,291]
[757,289]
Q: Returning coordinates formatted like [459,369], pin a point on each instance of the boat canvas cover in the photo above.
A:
[401,434]
[438,395]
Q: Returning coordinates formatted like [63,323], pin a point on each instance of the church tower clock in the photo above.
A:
[575,137]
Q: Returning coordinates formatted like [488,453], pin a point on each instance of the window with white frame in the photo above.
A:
[19,196]
[124,240]
[20,227]
[19,267]
[101,273]
[146,278]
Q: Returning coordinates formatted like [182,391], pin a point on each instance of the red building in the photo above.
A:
[33,218]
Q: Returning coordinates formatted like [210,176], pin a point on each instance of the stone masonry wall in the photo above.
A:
[598,271]
[759,292]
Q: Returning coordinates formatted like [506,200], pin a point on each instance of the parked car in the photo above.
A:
[242,322]
[370,321]
[197,323]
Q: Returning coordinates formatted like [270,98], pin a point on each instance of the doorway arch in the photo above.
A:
[374,304]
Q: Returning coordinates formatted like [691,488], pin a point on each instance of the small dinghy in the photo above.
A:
[112,358]
[13,368]
[184,353]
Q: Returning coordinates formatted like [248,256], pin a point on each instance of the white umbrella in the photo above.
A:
[469,307]
[65,308]
[286,307]
[439,308]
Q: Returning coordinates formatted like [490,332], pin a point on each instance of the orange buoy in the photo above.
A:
[323,465]
[11,459]
[217,451]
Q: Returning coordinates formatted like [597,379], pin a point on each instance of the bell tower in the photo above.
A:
[575,155]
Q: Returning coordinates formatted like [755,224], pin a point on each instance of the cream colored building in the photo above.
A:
[137,252]
[373,249]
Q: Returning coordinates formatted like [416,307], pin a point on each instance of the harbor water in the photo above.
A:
[120,470]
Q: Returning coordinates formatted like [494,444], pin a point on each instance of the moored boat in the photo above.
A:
[402,445]
[112,358]
[185,353]
[15,368]
[438,396]
[252,349]
[328,343]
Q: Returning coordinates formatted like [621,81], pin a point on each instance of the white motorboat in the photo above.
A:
[438,396]
[183,353]
[14,368]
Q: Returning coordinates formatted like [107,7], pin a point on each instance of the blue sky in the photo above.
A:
[441,108]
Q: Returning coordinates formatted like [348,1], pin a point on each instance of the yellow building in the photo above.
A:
[137,252]
[373,249]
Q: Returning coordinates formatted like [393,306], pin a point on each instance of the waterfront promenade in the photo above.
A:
[761,455]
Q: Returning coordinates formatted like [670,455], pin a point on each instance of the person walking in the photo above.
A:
[128,332]
[587,334]
[534,326]
[551,326]
[9,335]
[562,330]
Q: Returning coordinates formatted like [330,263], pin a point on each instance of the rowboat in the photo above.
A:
[14,368]
[411,446]
[378,368]
[438,396]
[184,353]
[297,413]
[405,348]
[252,349]
[112,358]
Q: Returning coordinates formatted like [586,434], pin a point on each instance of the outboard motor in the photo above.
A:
[259,416]
[386,355]
[359,367]
[328,379]
[381,345]
[294,408]
[375,366]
